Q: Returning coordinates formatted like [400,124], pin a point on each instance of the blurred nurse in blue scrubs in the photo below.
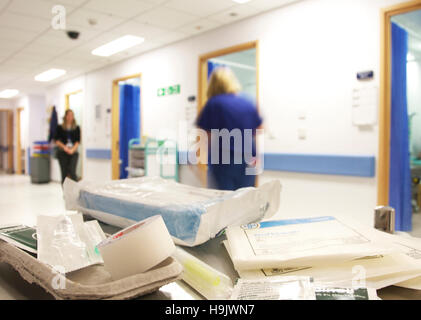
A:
[231,120]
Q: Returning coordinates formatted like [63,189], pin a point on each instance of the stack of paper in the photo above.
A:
[326,249]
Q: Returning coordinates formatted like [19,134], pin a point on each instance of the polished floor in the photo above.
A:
[21,202]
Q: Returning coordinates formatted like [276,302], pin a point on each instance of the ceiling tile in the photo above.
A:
[120,8]
[59,39]
[35,8]
[11,45]
[12,69]
[3,4]
[22,63]
[137,29]
[41,50]
[80,56]
[12,20]
[171,36]
[166,18]
[200,8]
[30,58]
[70,3]
[146,46]
[16,35]
[234,13]
[85,35]
[65,63]
[82,17]
[264,5]
[199,26]
[7,77]
[156,2]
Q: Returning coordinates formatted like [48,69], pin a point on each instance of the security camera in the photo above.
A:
[73,34]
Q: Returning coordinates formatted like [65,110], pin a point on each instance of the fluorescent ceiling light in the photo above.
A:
[117,46]
[50,75]
[241,1]
[8,93]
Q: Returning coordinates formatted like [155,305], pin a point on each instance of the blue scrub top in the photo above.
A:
[230,111]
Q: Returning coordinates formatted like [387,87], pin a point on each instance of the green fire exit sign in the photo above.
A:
[169,91]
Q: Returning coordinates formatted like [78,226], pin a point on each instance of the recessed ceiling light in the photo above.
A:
[117,46]
[8,93]
[50,75]
[241,1]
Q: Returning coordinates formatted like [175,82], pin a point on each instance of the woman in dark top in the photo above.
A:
[67,139]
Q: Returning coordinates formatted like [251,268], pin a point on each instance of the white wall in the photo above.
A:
[310,53]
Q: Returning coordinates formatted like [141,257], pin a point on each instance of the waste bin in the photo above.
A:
[40,169]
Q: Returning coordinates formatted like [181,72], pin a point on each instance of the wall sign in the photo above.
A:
[169,91]
[365,75]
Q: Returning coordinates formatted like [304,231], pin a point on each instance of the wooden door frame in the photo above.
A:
[115,112]
[385,96]
[203,81]
[19,141]
[203,68]
[67,98]
[10,138]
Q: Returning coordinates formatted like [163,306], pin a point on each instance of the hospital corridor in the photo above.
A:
[213,150]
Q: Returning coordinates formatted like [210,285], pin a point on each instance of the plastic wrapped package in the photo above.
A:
[210,283]
[192,215]
[275,288]
[67,243]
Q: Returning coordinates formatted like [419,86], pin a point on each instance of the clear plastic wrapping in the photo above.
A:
[275,288]
[192,215]
[210,283]
[67,243]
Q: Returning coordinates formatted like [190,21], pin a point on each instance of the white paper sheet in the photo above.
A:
[300,243]
[401,268]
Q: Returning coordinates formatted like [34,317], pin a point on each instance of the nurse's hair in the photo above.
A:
[73,125]
[223,81]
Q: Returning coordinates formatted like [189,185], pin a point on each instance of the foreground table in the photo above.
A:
[12,286]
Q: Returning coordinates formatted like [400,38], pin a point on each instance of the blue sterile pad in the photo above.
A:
[192,215]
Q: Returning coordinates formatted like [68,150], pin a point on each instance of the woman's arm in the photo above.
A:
[74,148]
[77,141]
[62,146]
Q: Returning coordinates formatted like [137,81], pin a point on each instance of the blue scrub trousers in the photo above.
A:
[229,177]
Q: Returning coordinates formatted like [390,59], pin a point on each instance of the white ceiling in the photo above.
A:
[29,45]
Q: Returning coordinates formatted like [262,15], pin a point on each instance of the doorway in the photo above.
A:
[74,101]
[243,60]
[394,179]
[126,121]
[6,141]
